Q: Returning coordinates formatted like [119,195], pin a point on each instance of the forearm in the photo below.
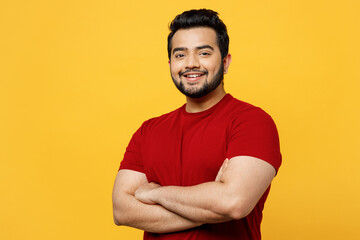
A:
[206,203]
[233,194]
[151,218]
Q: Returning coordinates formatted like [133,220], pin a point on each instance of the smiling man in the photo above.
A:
[202,171]
[197,69]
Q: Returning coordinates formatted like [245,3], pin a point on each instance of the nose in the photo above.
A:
[192,61]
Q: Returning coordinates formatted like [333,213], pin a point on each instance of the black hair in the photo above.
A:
[200,18]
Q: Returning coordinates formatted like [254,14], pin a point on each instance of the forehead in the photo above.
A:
[194,37]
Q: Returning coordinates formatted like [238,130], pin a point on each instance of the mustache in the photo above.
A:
[193,70]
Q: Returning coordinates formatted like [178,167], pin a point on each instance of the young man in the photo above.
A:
[204,170]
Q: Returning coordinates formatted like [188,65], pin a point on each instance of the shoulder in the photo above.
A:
[164,119]
[241,111]
[252,132]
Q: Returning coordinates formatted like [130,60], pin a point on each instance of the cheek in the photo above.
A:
[211,65]
[214,68]
[175,69]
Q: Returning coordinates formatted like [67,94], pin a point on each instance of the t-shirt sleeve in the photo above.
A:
[253,133]
[133,158]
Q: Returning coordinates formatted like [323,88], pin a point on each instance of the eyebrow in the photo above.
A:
[205,46]
[198,48]
[178,49]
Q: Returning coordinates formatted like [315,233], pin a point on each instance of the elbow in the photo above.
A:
[117,223]
[238,209]
[119,212]
[238,213]
[119,218]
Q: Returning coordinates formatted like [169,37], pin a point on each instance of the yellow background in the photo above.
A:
[77,78]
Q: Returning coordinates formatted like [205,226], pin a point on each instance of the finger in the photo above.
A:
[221,170]
[142,197]
[226,163]
[217,179]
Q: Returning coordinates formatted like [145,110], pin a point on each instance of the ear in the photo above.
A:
[169,62]
[227,61]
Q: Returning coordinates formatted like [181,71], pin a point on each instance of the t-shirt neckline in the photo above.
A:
[207,111]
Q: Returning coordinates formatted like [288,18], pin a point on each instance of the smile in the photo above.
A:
[193,75]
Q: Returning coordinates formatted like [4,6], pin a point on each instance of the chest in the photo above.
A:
[185,152]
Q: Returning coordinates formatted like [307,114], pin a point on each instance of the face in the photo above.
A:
[196,65]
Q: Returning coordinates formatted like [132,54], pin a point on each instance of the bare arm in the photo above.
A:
[240,186]
[129,211]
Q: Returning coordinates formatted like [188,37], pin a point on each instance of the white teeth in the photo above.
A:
[193,75]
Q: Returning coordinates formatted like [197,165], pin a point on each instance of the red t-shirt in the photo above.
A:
[185,149]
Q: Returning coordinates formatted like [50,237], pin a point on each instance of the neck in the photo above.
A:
[194,105]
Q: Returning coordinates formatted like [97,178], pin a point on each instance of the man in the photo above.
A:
[204,170]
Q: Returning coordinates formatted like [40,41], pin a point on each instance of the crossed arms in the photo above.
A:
[240,183]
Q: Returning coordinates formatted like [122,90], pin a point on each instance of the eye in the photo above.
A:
[205,53]
[179,55]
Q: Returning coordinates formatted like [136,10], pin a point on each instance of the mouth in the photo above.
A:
[192,76]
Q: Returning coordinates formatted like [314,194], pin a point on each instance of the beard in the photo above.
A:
[205,89]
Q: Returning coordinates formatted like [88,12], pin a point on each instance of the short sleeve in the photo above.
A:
[253,133]
[133,157]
